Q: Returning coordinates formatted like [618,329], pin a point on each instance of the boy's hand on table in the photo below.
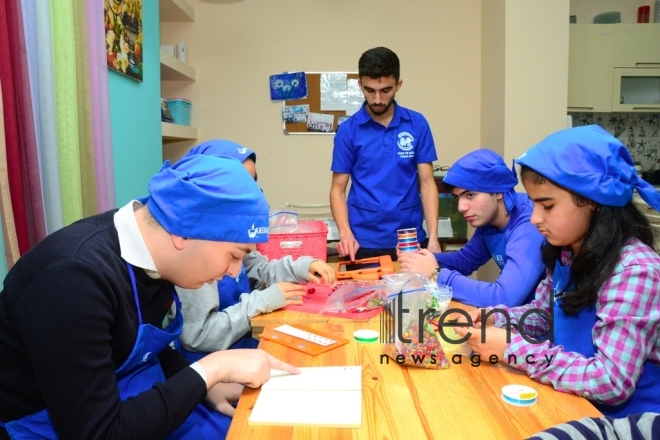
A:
[320,272]
[223,396]
[421,261]
[292,292]
[250,367]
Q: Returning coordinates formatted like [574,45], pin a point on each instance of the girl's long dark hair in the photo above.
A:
[609,230]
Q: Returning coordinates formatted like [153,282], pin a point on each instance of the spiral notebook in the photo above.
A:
[318,396]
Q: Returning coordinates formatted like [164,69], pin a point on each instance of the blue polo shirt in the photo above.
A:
[382,162]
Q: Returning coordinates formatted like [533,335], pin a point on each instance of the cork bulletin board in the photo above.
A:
[313,99]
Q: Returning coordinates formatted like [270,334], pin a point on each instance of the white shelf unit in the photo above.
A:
[173,69]
[176,132]
[176,10]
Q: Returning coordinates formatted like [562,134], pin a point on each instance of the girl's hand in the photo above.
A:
[494,340]
[475,317]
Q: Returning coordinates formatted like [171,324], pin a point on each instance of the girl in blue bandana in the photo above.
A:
[596,316]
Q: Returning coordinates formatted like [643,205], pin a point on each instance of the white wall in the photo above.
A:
[235,45]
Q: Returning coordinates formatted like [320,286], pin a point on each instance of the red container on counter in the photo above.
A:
[643,13]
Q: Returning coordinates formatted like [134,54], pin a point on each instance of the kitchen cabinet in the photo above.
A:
[595,53]
[637,45]
[636,89]
[173,69]
[590,67]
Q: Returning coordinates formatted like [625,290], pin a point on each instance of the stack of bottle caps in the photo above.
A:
[407,239]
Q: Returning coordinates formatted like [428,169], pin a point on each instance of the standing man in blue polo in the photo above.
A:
[387,151]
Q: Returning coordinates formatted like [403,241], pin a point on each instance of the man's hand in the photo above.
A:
[434,246]
[348,246]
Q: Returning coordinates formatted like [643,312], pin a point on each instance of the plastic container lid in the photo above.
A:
[519,395]
[366,336]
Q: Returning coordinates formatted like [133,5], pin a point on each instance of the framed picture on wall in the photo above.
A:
[123,36]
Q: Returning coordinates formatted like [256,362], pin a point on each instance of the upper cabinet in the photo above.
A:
[590,65]
[596,51]
[637,45]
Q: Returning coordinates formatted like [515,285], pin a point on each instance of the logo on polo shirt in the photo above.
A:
[253,232]
[242,150]
[405,141]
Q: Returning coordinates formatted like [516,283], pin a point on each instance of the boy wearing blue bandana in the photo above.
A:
[84,343]
[386,150]
[217,316]
[484,187]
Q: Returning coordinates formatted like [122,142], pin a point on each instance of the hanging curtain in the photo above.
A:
[105,182]
[11,79]
[8,240]
[66,104]
[36,16]
[56,149]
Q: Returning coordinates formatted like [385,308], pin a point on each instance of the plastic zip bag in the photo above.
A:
[354,298]
[414,341]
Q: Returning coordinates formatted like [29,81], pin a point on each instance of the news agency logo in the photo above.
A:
[394,312]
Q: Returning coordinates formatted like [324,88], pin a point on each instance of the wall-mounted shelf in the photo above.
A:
[173,69]
[176,10]
[176,132]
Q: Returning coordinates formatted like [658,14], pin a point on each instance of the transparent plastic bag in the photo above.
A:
[414,341]
[280,217]
[438,299]
[354,298]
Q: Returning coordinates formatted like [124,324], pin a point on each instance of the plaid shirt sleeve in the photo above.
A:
[535,325]
[625,335]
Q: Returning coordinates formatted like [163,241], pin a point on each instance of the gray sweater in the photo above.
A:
[207,329]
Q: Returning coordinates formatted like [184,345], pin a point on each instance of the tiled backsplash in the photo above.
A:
[638,131]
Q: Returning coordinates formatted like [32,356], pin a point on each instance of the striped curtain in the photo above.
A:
[55,146]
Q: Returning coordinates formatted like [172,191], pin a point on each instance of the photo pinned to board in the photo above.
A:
[286,86]
[295,113]
[320,122]
[341,119]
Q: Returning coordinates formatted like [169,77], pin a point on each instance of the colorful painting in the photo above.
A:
[286,86]
[123,36]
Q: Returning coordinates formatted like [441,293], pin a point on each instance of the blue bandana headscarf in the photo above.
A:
[591,162]
[222,147]
[484,170]
[209,197]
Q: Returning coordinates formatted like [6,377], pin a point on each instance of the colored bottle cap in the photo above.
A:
[366,336]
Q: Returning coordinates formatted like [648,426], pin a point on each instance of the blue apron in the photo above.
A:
[138,374]
[229,292]
[574,334]
[496,245]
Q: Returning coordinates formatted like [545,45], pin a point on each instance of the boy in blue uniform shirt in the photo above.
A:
[484,187]
[387,151]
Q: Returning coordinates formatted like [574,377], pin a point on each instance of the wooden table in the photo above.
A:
[462,402]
